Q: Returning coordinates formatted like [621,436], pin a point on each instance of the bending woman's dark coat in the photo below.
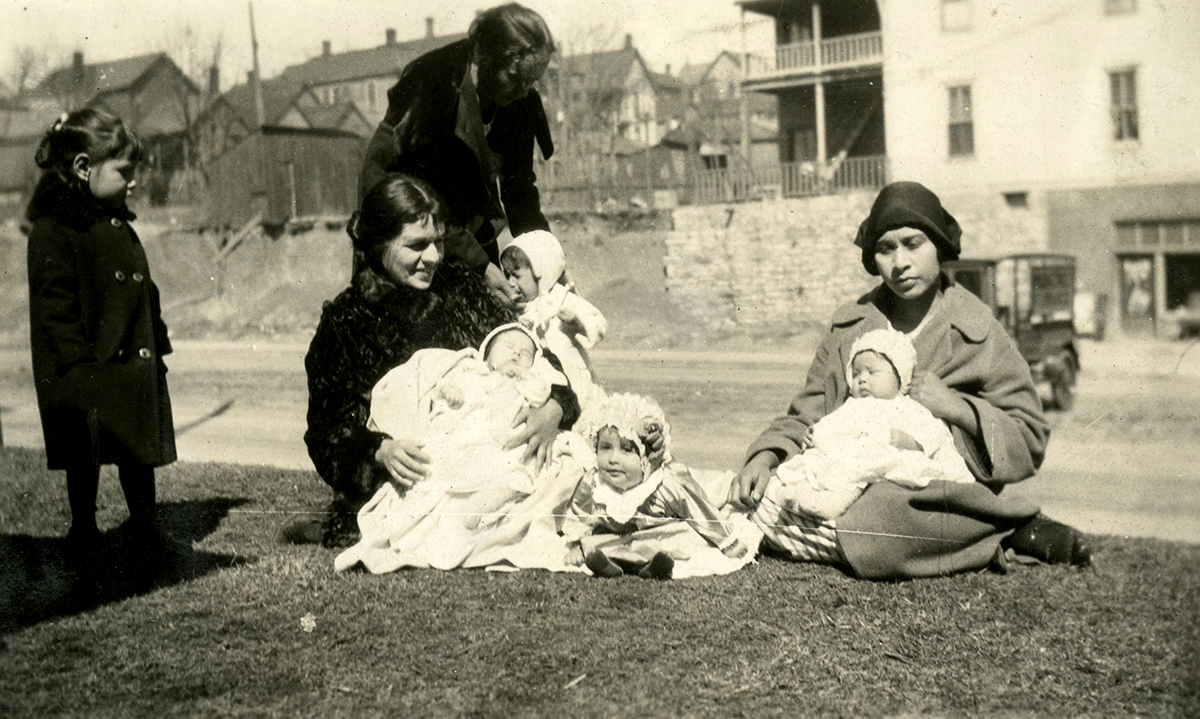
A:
[434,130]
[96,335]
[368,329]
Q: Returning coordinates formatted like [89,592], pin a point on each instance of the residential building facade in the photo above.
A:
[1069,117]
[364,77]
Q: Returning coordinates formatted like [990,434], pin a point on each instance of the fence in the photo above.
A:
[841,51]
[792,179]
[582,183]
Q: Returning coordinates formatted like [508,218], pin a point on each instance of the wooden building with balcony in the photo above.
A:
[827,76]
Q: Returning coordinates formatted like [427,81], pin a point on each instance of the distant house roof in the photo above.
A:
[718,130]
[691,74]
[387,59]
[278,95]
[92,80]
[662,81]
[331,116]
[606,70]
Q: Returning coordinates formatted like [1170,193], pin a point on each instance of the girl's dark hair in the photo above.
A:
[396,201]
[98,134]
[510,32]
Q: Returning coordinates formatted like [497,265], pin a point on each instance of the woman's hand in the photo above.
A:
[806,442]
[404,460]
[748,487]
[499,285]
[536,429]
[944,403]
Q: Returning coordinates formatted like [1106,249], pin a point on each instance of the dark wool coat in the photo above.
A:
[97,335]
[368,329]
[434,130]
[891,531]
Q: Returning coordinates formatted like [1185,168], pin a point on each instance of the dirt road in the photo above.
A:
[1123,461]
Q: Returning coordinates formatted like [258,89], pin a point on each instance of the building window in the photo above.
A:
[1019,200]
[1124,103]
[1119,7]
[962,130]
[956,15]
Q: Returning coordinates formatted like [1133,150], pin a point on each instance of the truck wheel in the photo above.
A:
[1062,394]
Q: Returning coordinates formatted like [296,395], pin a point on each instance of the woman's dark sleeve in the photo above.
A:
[512,137]
[341,447]
[563,394]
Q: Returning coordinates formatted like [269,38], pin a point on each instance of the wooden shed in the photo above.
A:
[285,173]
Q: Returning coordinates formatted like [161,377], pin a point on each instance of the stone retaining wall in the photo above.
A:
[784,262]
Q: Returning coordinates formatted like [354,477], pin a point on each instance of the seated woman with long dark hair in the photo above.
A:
[402,299]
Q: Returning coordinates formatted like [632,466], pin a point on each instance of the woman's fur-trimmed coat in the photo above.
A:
[368,329]
[96,334]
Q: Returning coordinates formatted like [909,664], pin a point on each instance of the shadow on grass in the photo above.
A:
[45,577]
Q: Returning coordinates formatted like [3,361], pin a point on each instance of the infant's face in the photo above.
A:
[522,282]
[617,460]
[871,375]
[511,352]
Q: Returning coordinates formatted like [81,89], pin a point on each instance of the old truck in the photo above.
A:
[1033,297]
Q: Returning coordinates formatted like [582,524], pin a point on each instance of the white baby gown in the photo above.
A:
[480,505]
[852,447]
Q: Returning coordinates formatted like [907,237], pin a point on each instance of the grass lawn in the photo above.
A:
[243,626]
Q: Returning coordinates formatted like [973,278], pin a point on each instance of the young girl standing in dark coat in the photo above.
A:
[96,330]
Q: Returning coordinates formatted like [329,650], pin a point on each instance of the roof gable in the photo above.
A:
[101,78]
[371,62]
[608,70]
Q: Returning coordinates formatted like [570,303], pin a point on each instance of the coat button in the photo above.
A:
[144,353]
[119,275]
[115,222]
[137,277]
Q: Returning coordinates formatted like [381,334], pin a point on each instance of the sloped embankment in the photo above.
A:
[273,287]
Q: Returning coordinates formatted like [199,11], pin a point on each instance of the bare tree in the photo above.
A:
[195,54]
[30,65]
[580,90]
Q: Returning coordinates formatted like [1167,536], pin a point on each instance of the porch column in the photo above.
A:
[819,87]
[743,111]
[1160,290]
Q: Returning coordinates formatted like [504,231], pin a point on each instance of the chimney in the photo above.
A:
[214,81]
[250,77]
[391,36]
[628,41]
[77,67]
[326,48]
[428,27]
[668,72]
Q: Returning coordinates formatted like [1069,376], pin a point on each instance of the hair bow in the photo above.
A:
[59,123]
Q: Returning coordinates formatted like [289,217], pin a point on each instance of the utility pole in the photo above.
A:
[259,111]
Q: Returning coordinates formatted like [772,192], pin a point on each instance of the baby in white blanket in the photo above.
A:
[463,406]
[879,434]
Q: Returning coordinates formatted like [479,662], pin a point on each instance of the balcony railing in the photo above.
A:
[790,179]
[835,53]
